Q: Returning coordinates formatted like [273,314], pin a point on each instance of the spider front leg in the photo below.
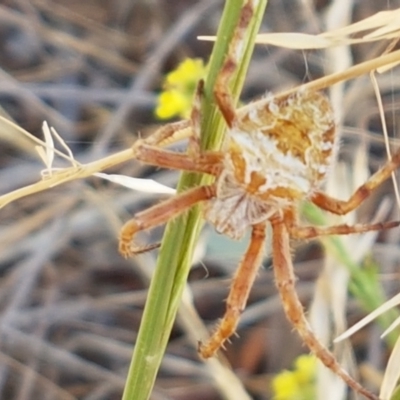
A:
[195,160]
[209,162]
[160,214]
[239,293]
[222,94]
[176,131]
[285,282]
[167,134]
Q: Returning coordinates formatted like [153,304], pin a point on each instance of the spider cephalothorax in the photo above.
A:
[277,153]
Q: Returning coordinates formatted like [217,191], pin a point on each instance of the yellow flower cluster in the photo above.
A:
[298,384]
[179,85]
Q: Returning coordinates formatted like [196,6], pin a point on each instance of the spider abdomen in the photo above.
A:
[285,148]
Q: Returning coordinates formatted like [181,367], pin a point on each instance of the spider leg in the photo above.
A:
[285,282]
[235,53]
[195,120]
[176,131]
[308,232]
[341,207]
[167,134]
[150,150]
[239,293]
[209,162]
[159,214]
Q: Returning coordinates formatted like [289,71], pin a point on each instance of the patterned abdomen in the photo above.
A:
[284,149]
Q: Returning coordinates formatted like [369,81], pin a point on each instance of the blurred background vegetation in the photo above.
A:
[70,304]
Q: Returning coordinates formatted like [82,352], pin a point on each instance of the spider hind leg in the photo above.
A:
[285,282]
[239,293]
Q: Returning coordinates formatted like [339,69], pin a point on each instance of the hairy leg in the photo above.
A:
[222,94]
[167,134]
[239,293]
[208,162]
[341,207]
[297,231]
[160,214]
[309,232]
[150,150]
[285,282]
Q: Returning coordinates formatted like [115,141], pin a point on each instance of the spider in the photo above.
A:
[277,154]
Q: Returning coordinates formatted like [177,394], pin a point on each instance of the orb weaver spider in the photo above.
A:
[277,153]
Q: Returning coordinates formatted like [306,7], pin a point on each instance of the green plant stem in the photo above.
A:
[180,237]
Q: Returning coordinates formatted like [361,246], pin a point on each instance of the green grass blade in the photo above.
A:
[180,237]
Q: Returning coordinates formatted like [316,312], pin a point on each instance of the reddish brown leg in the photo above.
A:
[159,214]
[285,282]
[149,151]
[176,131]
[341,207]
[167,134]
[222,95]
[239,293]
[309,232]
[207,162]
[195,121]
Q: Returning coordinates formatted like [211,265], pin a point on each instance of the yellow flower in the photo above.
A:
[305,367]
[297,384]
[170,104]
[179,86]
[285,386]
[188,71]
